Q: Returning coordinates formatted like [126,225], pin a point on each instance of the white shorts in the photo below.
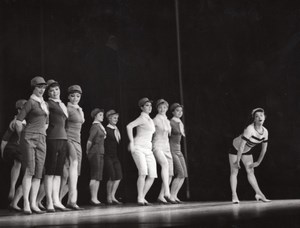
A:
[144,161]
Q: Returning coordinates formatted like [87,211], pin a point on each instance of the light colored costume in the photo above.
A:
[161,139]
[143,155]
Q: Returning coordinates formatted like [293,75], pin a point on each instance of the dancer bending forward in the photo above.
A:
[254,134]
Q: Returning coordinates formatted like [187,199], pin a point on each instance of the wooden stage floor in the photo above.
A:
[278,213]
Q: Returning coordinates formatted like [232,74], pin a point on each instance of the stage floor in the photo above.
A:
[278,213]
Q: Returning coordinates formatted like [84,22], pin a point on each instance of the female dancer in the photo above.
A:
[73,128]
[141,149]
[95,153]
[161,150]
[56,147]
[111,160]
[11,150]
[253,134]
[33,143]
[180,168]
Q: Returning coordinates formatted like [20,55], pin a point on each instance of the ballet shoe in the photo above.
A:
[25,212]
[14,209]
[51,210]
[179,201]
[235,200]
[96,204]
[116,202]
[262,198]
[74,206]
[58,208]
[170,201]
[162,202]
[141,204]
[37,211]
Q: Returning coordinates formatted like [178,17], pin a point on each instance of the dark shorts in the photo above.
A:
[33,147]
[56,155]
[75,153]
[180,169]
[233,151]
[113,167]
[96,161]
[12,154]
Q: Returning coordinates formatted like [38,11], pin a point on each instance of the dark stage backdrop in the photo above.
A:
[236,55]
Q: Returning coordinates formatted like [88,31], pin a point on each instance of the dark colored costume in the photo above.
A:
[180,169]
[111,160]
[33,136]
[57,146]
[12,150]
[96,152]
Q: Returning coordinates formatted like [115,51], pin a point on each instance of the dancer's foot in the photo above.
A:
[170,200]
[58,206]
[14,208]
[162,200]
[146,203]
[26,208]
[37,210]
[116,202]
[262,198]
[74,206]
[235,199]
[95,203]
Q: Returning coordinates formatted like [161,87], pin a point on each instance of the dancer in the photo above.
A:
[180,169]
[95,154]
[141,149]
[111,160]
[254,134]
[11,151]
[73,128]
[33,143]
[56,147]
[161,150]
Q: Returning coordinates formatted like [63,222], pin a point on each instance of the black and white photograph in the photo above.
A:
[150,113]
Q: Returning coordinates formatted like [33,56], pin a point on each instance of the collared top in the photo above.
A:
[57,121]
[116,132]
[74,123]
[111,143]
[252,138]
[36,118]
[162,130]
[145,129]
[96,137]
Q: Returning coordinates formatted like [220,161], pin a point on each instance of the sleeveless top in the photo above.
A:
[175,137]
[74,123]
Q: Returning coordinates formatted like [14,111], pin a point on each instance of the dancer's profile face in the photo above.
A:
[54,92]
[39,90]
[259,118]
[74,98]
[162,109]
[99,117]
[147,108]
[178,112]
